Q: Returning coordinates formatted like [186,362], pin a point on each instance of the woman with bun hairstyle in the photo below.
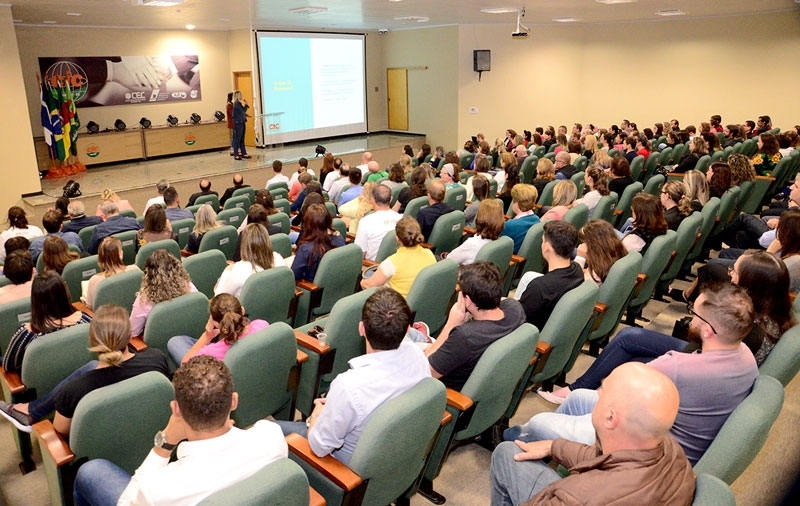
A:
[17,226]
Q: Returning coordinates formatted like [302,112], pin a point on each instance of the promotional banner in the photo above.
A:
[119,80]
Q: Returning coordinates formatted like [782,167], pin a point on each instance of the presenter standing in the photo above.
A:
[240,107]
[229,118]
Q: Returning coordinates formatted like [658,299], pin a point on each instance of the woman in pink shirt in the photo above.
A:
[226,325]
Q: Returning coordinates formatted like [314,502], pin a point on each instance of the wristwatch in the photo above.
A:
[160,441]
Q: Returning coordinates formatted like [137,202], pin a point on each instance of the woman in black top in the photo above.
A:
[719,179]
[619,175]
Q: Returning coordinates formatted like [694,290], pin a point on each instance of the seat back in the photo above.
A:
[183,229]
[654,261]
[539,151]
[337,275]
[414,205]
[745,190]
[268,295]
[577,215]
[466,159]
[211,200]
[340,226]
[185,315]
[531,250]
[151,247]
[493,187]
[242,202]
[654,185]
[205,269]
[783,361]
[604,210]
[528,169]
[447,232]
[128,240]
[431,292]
[636,167]
[86,236]
[249,191]
[717,156]
[281,244]
[666,156]
[404,428]
[456,198]
[233,216]
[396,192]
[281,219]
[727,206]
[687,235]
[580,182]
[580,163]
[498,252]
[283,205]
[387,248]
[102,428]
[624,203]
[649,166]
[711,491]
[48,361]
[281,483]
[546,198]
[192,209]
[222,238]
[261,394]
[616,291]
[709,213]
[744,432]
[79,270]
[564,327]
[119,289]
[281,184]
[703,163]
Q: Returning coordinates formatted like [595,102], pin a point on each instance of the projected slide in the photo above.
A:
[312,85]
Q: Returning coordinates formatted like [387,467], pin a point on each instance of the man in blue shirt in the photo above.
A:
[355,188]
[52,222]
[173,203]
[114,224]
[78,219]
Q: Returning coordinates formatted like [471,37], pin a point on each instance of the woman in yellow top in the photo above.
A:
[401,269]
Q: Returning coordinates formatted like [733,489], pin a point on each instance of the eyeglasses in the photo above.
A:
[692,312]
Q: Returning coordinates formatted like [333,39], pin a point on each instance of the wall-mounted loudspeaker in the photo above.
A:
[482,60]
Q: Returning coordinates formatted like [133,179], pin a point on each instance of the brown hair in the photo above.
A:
[649,214]
[226,310]
[489,221]
[599,179]
[109,334]
[256,247]
[408,232]
[56,254]
[109,256]
[603,248]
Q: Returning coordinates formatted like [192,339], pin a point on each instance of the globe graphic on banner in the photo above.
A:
[68,73]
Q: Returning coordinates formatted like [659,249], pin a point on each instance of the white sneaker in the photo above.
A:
[550,397]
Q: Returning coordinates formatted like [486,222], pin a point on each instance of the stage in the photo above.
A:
[136,181]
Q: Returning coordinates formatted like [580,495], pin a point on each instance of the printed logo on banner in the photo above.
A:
[67,73]
[92,150]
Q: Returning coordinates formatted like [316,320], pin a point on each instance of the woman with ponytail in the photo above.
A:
[109,336]
[226,324]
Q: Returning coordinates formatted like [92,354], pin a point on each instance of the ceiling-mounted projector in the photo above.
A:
[522,31]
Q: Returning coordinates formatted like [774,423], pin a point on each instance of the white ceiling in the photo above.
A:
[364,14]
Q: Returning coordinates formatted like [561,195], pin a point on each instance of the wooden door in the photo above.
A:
[397,95]
[243,81]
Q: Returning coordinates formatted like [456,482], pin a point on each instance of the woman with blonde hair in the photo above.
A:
[109,336]
[204,220]
[602,159]
[56,254]
[564,195]
[590,146]
[597,182]
[600,247]
[545,172]
[489,224]
[353,211]
[109,194]
[164,279]
[697,191]
[401,269]
[406,164]
[109,258]
[676,207]
[257,255]
[226,324]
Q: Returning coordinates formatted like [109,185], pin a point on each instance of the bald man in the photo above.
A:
[375,172]
[205,189]
[634,461]
[238,182]
[366,157]
[436,208]
[564,167]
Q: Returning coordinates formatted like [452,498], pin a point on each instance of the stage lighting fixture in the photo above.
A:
[92,127]
[320,150]
[72,189]
[172,120]
[120,125]
[145,123]
[194,118]
[219,115]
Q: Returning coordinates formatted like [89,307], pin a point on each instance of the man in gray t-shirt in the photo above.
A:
[711,383]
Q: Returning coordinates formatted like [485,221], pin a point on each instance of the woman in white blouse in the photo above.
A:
[257,255]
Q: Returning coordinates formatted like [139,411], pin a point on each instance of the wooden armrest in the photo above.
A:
[80,306]
[369,263]
[427,245]
[446,418]
[517,259]
[186,253]
[543,348]
[341,475]
[298,292]
[350,237]
[53,443]
[296,228]
[13,381]
[301,356]
[138,344]
[640,278]
[311,343]
[307,285]
[600,308]
[617,212]
[315,499]
[458,400]
[470,231]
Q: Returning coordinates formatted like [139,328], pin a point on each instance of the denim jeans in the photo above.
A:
[572,420]
[179,346]
[514,483]
[629,345]
[99,483]
[46,404]
[288,427]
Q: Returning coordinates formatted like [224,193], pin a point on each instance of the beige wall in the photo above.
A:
[433,97]
[19,171]
[738,67]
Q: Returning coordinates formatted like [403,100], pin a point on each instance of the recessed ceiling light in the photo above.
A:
[18,21]
[395,0]
[48,22]
[224,20]
[609,2]
[190,27]
[566,20]
[413,19]
[73,14]
[159,3]
[670,12]
[499,10]
[308,10]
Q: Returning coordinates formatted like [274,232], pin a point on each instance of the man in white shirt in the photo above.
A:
[338,185]
[213,454]
[277,167]
[365,159]
[302,166]
[333,176]
[161,186]
[373,227]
